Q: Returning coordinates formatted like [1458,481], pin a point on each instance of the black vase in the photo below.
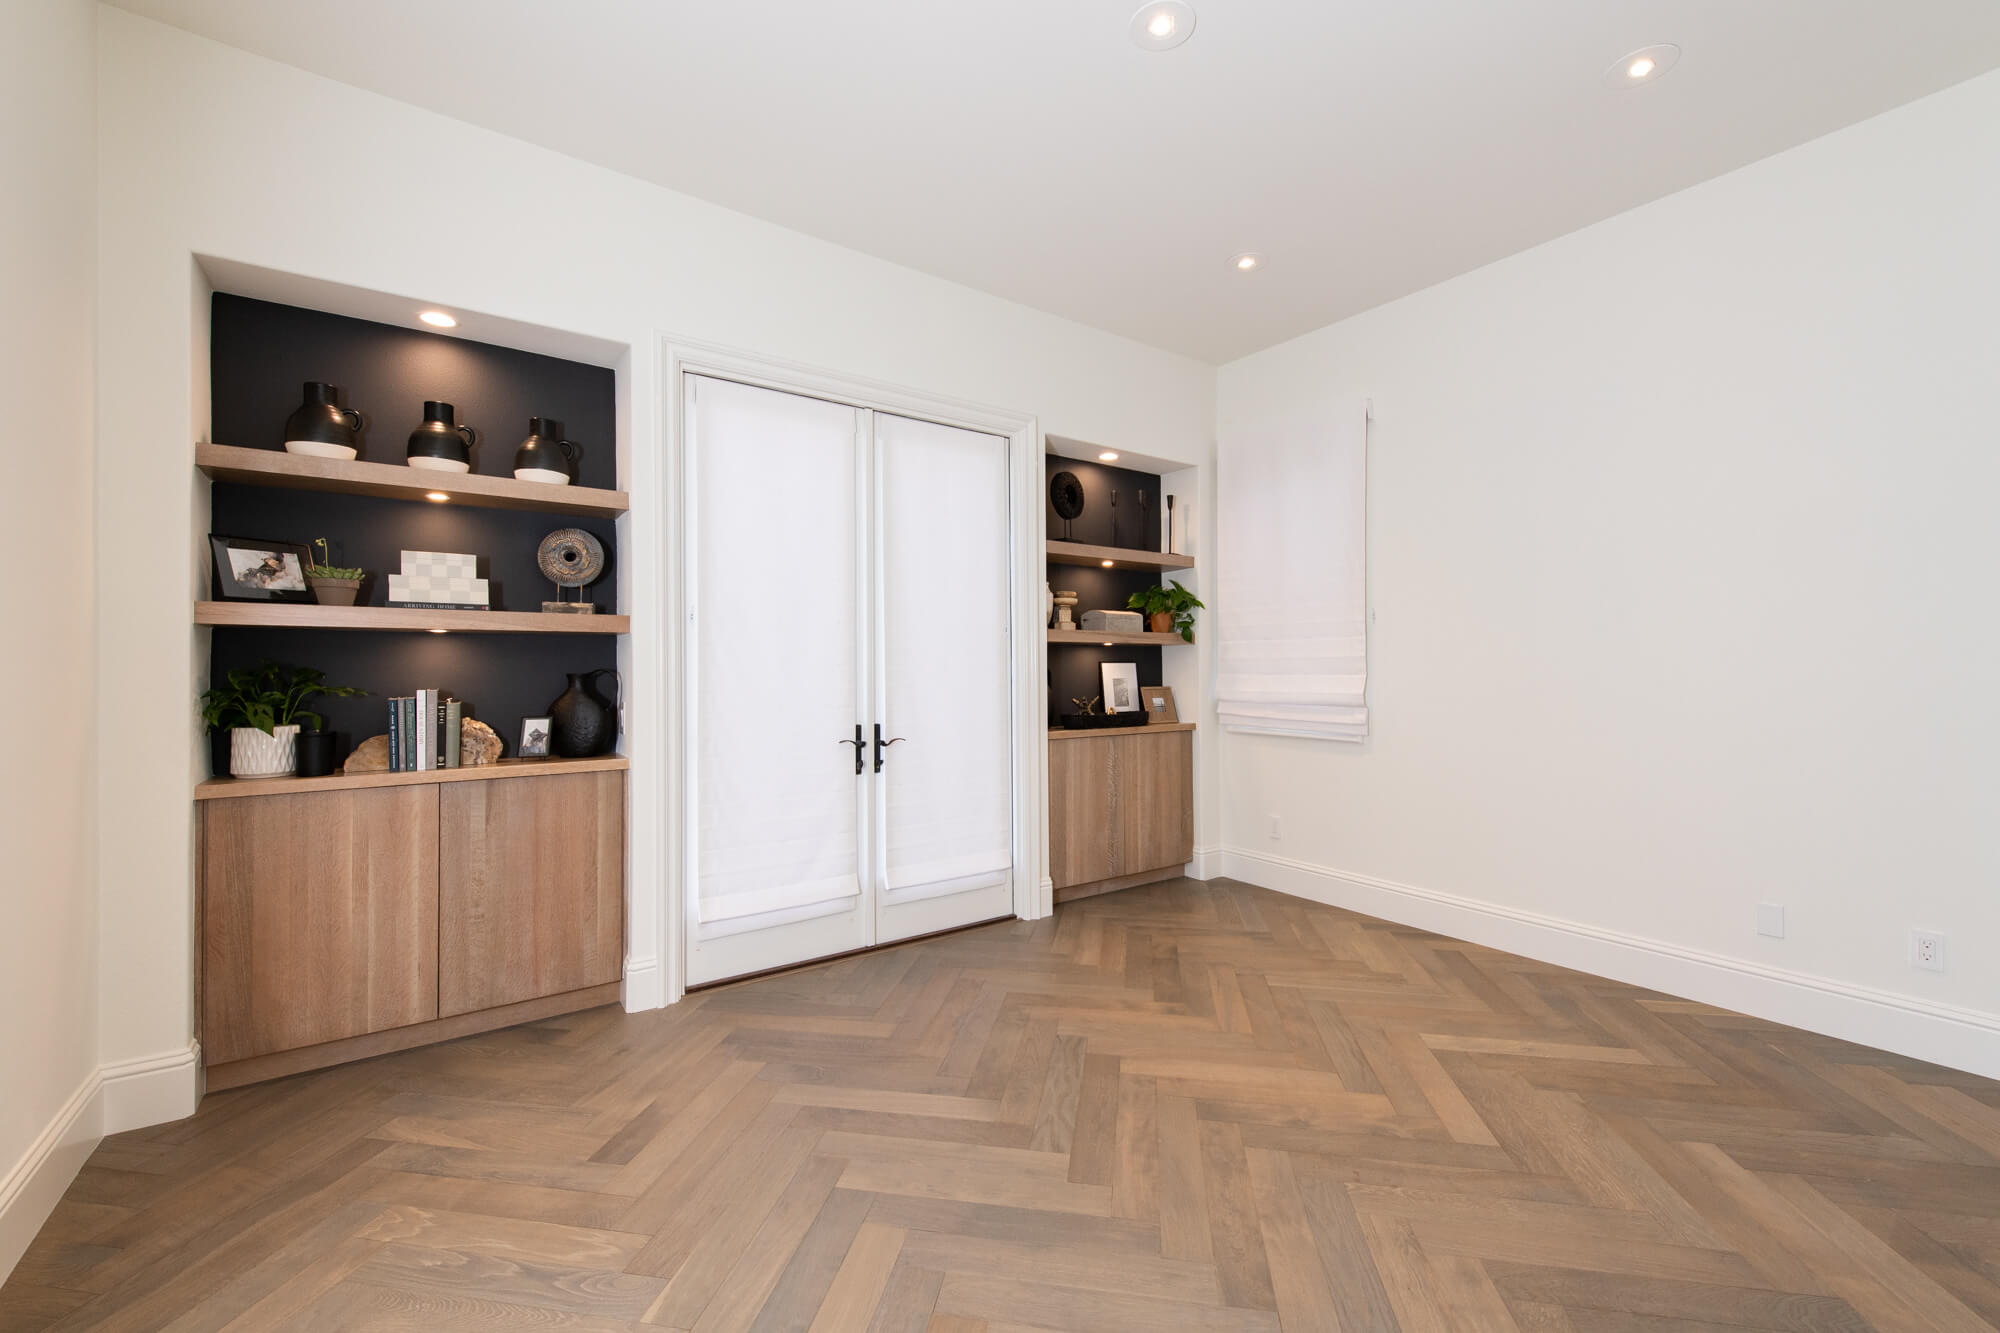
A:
[315,754]
[439,444]
[545,455]
[581,722]
[321,427]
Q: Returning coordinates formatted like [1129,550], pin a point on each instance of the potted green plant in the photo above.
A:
[1169,610]
[332,585]
[262,706]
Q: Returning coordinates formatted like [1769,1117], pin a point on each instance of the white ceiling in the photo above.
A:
[1367,148]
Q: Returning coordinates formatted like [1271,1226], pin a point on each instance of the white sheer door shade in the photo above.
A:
[1293,606]
[778,569]
[947,809]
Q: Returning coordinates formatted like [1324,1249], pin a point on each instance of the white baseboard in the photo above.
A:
[1207,863]
[1942,1034]
[32,1187]
[645,985]
[152,1089]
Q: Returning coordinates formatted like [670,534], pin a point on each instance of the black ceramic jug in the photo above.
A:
[439,444]
[545,455]
[321,428]
[581,723]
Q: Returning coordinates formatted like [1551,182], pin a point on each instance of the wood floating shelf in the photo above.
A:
[1106,639]
[273,467]
[308,615]
[1084,733]
[1082,553]
[216,789]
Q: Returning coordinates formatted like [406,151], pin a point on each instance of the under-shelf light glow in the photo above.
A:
[1107,564]
[439,496]
[437,319]
[1108,456]
[440,631]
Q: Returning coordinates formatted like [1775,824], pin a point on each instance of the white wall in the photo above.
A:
[48,914]
[1684,541]
[208,151]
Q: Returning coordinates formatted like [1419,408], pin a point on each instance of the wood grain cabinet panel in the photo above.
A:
[319,918]
[1120,804]
[531,881]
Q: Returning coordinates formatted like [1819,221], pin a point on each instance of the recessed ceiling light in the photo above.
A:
[1644,65]
[1105,563]
[1247,262]
[1108,456]
[440,631]
[1162,24]
[437,319]
[438,496]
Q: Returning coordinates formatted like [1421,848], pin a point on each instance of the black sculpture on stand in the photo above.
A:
[1066,497]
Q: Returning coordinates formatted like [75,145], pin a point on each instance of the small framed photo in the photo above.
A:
[1159,701]
[250,569]
[1121,686]
[534,738]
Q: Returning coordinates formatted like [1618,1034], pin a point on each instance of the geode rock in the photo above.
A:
[477,744]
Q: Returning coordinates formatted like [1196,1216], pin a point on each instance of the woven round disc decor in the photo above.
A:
[571,557]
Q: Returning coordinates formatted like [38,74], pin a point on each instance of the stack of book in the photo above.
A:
[441,580]
[424,732]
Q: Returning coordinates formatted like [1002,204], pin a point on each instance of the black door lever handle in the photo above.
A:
[881,745]
[859,745]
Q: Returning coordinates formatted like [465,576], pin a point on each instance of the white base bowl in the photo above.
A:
[439,464]
[547,476]
[314,449]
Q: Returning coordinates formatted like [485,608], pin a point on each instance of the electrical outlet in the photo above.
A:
[1927,950]
[1277,828]
[1771,920]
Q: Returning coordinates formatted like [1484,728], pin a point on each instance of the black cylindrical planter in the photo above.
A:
[315,752]
[439,444]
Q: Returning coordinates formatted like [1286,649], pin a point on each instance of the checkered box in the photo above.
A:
[439,577]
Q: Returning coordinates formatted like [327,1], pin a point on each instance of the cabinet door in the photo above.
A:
[319,918]
[531,888]
[1155,800]
[1083,810]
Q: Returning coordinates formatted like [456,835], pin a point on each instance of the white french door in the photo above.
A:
[850,776]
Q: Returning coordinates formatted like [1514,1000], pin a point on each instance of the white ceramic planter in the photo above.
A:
[253,754]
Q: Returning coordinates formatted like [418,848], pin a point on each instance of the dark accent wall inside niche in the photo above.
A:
[1073,668]
[260,355]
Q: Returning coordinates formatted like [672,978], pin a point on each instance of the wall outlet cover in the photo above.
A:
[1771,920]
[1927,950]
[1277,829]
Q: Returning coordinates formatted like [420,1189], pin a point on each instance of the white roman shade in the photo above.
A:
[1293,607]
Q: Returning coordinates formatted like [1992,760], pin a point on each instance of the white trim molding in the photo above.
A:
[152,1089]
[1207,863]
[645,985]
[1942,1034]
[34,1185]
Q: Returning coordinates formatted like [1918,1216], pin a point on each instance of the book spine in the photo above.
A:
[395,735]
[454,731]
[408,709]
[426,730]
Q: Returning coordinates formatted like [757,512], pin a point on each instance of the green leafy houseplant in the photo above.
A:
[1172,600]
[268,696]
[319,569]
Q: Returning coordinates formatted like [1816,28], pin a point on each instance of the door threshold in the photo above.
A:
[822,961]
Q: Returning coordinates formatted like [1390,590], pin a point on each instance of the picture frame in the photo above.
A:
[253,569]
[534,738]
[1158,701]
[1121,687]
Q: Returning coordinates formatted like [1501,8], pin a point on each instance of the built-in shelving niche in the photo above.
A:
[1076,552]
[261,354]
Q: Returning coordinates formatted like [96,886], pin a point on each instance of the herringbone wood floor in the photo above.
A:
[1190,1106]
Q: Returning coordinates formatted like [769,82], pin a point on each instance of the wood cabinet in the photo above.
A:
[532,889]
[367,914]
[321,916]
[1121,807]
